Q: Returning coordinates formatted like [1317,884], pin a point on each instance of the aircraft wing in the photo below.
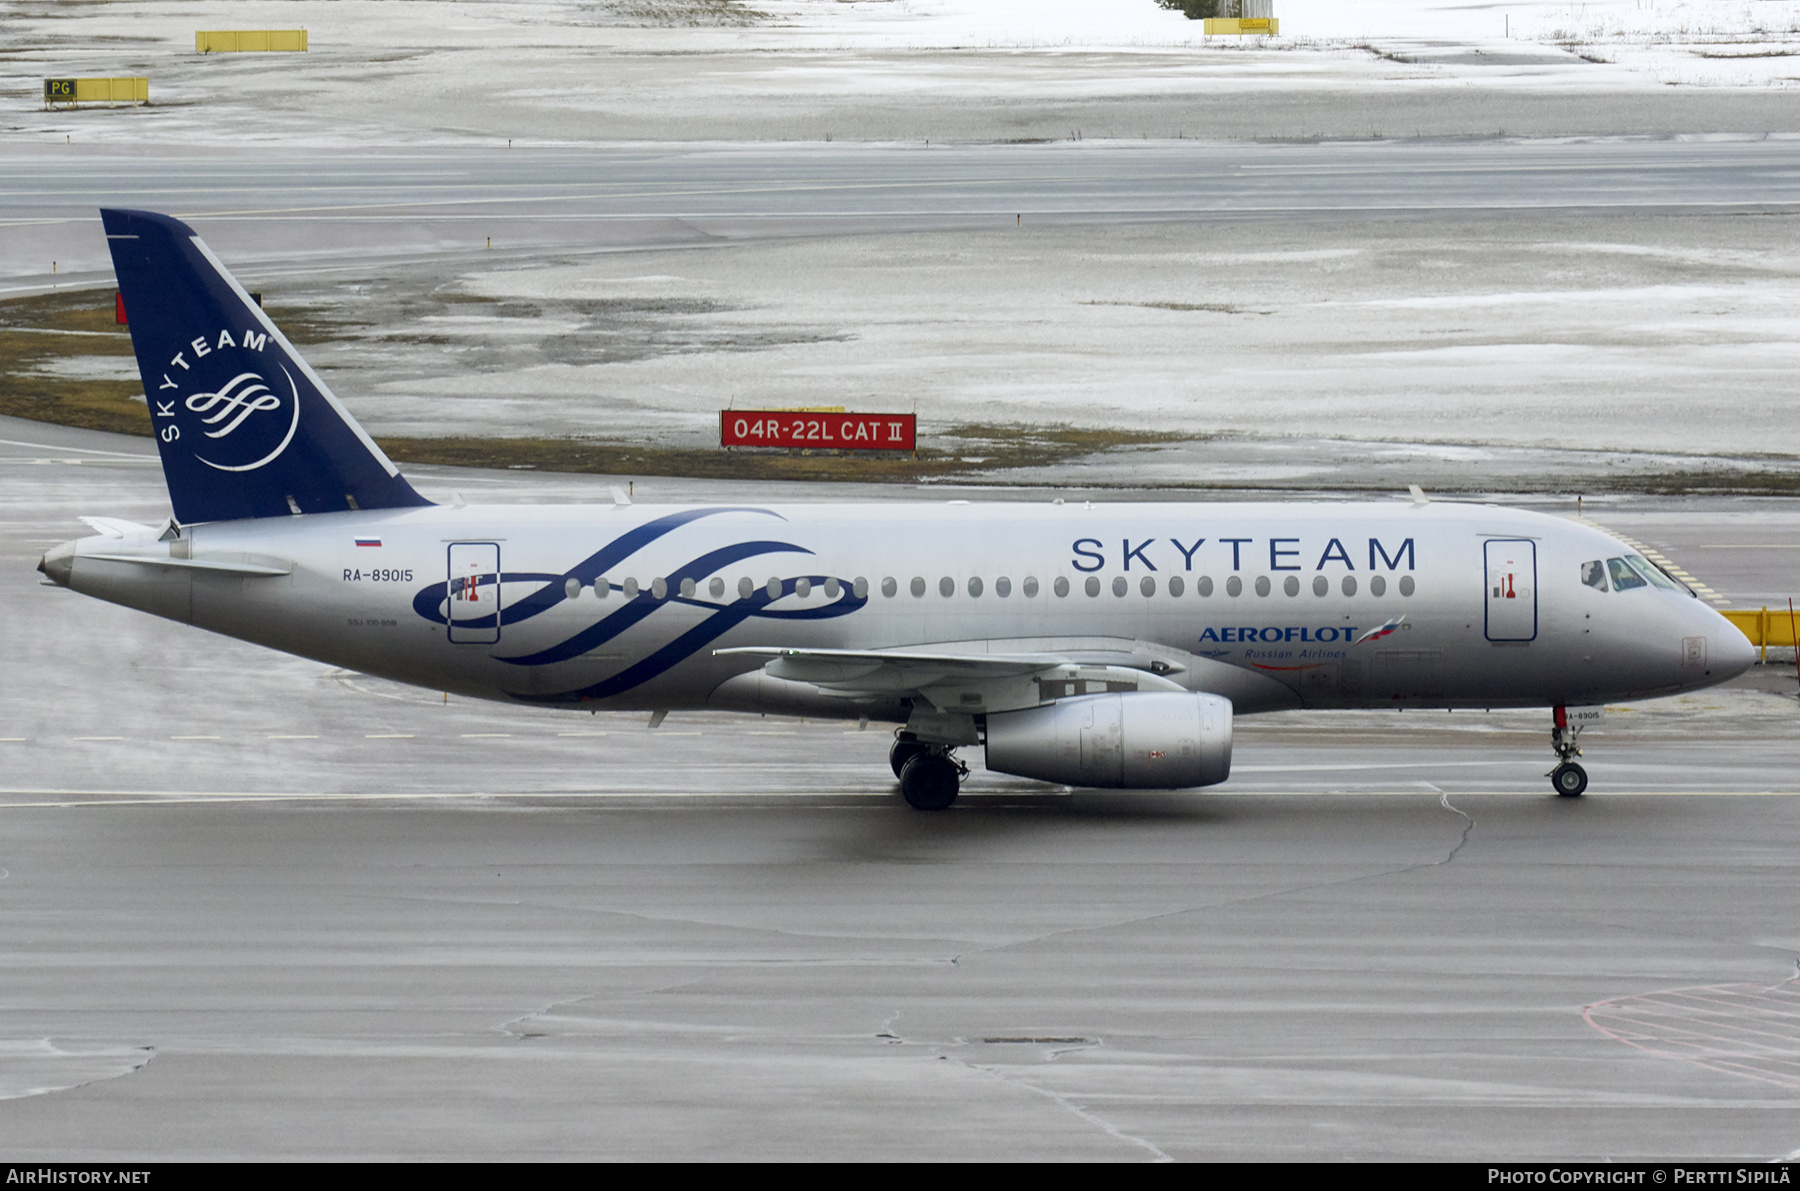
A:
[965,678]
[831,666]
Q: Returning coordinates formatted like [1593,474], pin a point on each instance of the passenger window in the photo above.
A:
[1030,588]
[1061,586]
[1594,574]
[918,587]
[1623,577]
[1003,587]
[889,588]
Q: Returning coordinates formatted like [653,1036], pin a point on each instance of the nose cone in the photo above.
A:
[59,563]
[1732,653]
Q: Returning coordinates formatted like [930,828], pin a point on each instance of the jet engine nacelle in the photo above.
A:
[1152,740]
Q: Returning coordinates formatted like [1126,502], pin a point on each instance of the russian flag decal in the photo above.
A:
[368,541]
[1385,630]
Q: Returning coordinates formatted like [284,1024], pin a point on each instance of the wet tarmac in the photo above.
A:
[251,906]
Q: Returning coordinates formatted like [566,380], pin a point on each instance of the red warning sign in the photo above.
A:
[836,431]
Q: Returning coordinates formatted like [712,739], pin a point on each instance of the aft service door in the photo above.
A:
[1511,589]
[474,593]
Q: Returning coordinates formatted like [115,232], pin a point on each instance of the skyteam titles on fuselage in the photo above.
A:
[1284,554]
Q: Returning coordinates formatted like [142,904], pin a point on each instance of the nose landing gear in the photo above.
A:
[930,775]
[1568,779]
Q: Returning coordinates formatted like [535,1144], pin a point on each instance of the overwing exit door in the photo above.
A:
[1511,589]
[474,615]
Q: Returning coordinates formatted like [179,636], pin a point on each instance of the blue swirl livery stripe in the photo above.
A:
[429,601]
[699,637]
[611,626]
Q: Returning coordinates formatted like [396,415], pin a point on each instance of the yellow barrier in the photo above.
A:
[107,91]
[1764,626]
[1241,26]
[250,41]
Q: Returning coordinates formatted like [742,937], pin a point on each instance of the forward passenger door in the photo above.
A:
[1512,611]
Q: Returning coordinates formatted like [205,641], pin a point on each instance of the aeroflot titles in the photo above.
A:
[1285,554]
[1247,634]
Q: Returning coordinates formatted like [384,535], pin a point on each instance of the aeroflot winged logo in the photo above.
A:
[242,421]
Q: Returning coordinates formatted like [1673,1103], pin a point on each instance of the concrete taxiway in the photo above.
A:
[251,906]
[320,209]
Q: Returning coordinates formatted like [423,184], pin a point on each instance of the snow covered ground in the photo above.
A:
[431,71]
[1518,345]
[1461,351]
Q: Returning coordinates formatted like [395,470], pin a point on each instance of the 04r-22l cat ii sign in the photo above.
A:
[832,430]
[1087,645]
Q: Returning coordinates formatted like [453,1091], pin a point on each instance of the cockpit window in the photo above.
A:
[1594,574]
[1652,572]
[1623,577]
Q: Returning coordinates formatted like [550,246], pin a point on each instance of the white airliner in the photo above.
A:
[1089,645]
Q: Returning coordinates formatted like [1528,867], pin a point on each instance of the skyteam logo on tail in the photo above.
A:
[242,423]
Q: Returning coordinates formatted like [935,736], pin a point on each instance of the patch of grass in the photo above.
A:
[1763,54]
[1000,447]
[305,326]
[1709,482]
[1208,307]
[38,330]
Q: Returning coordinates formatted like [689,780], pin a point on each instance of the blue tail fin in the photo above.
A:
[245,428]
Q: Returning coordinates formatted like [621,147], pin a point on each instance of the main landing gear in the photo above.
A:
[1568,779]
[930,775]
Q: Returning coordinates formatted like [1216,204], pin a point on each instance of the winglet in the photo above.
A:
[1418,494]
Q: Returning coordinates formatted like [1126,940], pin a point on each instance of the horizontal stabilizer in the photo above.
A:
[225,566]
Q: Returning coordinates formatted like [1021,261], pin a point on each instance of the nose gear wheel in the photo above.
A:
[1568,779]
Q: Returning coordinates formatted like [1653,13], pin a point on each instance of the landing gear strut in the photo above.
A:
[930,775]
[1568,779]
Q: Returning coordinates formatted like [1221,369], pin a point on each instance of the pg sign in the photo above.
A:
[834,431]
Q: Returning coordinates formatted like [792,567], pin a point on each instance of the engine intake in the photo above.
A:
[1148,740]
